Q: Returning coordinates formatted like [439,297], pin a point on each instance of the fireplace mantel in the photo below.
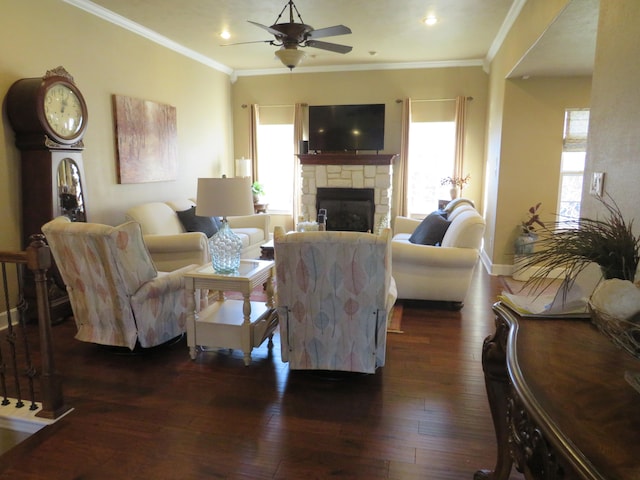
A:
[346,159]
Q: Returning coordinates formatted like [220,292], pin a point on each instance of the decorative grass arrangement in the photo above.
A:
[610,243]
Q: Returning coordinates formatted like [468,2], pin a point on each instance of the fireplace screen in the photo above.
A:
[348,209]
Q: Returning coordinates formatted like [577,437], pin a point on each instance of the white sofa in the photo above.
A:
[172,247]
[438,273]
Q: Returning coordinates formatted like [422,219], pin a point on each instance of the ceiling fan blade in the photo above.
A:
[332,47]
[329,31]
[272,31]
[244,43]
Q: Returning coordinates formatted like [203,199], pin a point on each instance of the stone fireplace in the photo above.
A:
[370,173]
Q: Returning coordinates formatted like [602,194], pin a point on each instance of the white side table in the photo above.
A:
[235,324]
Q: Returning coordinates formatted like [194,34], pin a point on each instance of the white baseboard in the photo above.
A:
[507,269]
[493,268]
[501,269]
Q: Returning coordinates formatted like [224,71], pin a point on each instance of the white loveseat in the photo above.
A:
[438,273]
[172,247]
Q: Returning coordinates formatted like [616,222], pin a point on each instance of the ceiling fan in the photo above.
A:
[289,36]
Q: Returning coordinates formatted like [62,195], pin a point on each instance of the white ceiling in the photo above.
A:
[385,33]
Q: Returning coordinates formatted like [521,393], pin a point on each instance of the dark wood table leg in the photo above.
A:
[496,380]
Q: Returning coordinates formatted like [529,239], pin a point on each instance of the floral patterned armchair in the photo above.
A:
[335,293]
[117,295]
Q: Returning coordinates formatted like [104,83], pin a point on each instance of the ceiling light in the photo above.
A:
[290,57]
[225,34]
[430,20]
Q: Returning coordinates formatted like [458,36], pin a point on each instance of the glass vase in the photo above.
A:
[225,248]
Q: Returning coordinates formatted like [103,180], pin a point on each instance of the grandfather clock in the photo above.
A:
[49,117]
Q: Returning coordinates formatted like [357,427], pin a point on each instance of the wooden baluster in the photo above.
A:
[39,261]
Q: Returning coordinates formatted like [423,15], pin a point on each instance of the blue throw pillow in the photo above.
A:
[431,230]
[195,223]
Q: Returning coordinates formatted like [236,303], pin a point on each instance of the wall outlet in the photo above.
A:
[597,184]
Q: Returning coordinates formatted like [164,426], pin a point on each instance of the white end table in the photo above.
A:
[227,323]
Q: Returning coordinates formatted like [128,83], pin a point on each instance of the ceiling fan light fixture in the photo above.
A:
[290,57]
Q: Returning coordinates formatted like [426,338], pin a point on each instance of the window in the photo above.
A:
[431,158]
[276,157]
[574,150]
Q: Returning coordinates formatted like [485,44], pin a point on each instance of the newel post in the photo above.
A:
[39,262]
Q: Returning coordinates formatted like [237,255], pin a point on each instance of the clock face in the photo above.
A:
[63,110]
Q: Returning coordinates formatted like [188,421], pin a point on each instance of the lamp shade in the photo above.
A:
[224,197]
[291,57]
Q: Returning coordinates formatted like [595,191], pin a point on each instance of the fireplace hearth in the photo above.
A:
[348,209]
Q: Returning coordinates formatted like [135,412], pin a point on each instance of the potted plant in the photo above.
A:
[526,239]
[258,192]
[457,184]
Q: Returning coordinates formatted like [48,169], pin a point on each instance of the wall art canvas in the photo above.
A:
[147,143]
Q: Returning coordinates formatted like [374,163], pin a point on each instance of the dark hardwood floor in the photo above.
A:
[159,415]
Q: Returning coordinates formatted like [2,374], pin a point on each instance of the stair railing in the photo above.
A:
[14,341]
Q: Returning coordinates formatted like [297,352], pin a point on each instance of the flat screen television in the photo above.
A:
[345,128]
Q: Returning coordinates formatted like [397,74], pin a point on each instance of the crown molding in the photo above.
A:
[147,33]
[512,15]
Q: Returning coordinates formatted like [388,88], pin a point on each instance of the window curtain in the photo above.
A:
[253,139]
[301,112]
[403,170]
[461,116]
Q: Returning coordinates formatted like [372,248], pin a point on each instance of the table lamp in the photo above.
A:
[222,197]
